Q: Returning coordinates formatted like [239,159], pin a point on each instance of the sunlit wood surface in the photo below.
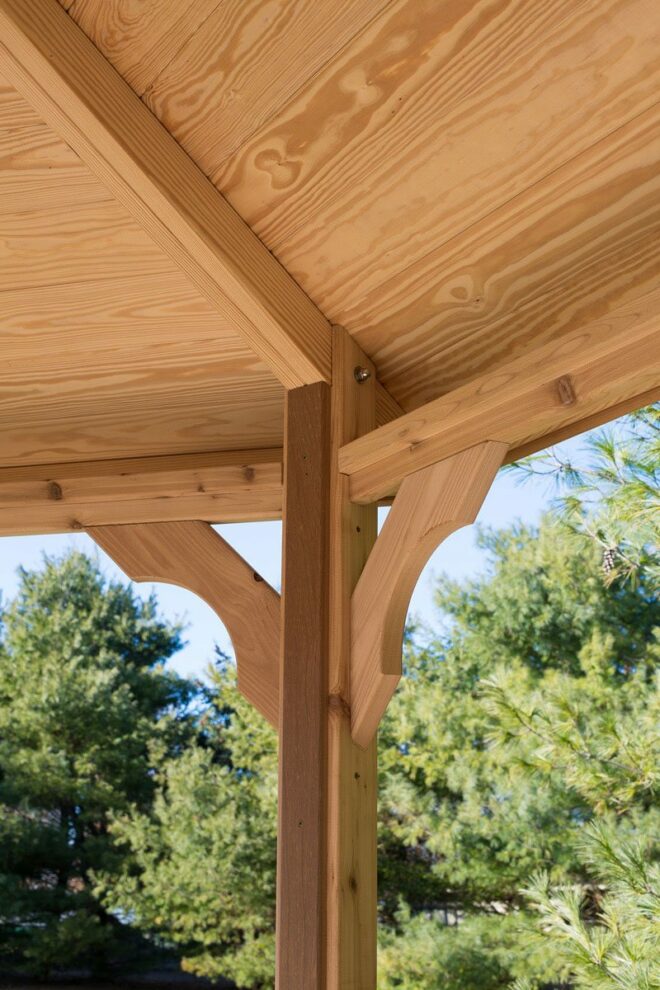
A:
[457,183]
[439,218]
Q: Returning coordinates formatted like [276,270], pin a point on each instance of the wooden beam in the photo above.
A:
[303,756]
[352,770]
[76,91]
[228,486]
[524,404]
[588,423]
[193,556]
[326,925]
[430,505]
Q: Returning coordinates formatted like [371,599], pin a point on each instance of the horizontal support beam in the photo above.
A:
[228,486]
[588,423]
[58,70]
[545,394]
[193,556]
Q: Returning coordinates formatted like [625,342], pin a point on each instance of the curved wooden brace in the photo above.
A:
[430,505]
[192,555]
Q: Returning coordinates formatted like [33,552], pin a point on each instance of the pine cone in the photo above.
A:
[609,559]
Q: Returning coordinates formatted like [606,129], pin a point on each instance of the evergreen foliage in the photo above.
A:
[534,714]
[83,696]
[518,766]
[614,498]
[621,951]
[474,801]
[201,872]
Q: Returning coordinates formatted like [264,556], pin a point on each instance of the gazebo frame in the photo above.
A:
[322,664]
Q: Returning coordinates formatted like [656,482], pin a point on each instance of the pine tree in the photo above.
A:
[464,826]
[606,929]
[83,696]
[619,948]
[529,716]
[473,802]
[613,495]
[201,870]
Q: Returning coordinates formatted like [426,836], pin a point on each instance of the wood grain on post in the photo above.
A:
[352,771]
[301,877]
[326,919]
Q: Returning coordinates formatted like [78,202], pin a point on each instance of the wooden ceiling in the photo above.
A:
[455,181]
[107,349]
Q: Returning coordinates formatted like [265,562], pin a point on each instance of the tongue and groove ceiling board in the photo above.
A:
[456,182]
[37,169]
[106,349]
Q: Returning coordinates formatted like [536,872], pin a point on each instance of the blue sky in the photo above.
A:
[260,544]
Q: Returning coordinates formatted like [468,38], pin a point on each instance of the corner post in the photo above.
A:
[326,914]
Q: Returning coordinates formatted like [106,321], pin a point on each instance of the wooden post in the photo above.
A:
[326,918]
[301,847]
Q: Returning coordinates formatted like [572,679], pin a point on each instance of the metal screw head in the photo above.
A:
[361,374]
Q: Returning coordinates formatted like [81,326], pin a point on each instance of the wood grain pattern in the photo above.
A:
[436,116]
[193,556]
[219,487]
[592,422]
[609,361]
[14,109]
[303,758]
[564,252]
[326,923]
[111,309]
[48,247]
[58,70]
[37,169]
[117,322]
[387,408]
[168,375]
[140,426]
[140,37]
[430,505]
[352,771]
[485,181]
[477,99]
[62,391]
[245,63]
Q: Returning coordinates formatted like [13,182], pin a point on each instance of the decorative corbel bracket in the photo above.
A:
[430,505]
[192,555]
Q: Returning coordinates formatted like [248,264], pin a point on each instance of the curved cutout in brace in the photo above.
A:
[430,505]
[193,556]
